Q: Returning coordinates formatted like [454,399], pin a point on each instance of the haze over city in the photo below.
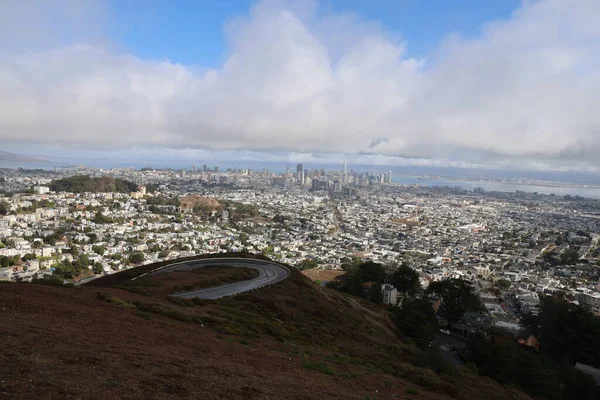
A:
[495,84]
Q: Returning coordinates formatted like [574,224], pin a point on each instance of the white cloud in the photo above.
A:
[525,92]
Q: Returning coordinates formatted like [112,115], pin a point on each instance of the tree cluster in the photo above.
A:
[161,200]
[136,258]
[567,334]
[6,261]
[4,208]
[537,375]
[70,269]
[85,183]
[308,263]
[457,296]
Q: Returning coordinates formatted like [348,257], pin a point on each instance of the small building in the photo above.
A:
[390,294]
[41,189]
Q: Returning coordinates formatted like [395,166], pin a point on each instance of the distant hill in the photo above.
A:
[84,183]
[13,157]
[205,203]
[116,338]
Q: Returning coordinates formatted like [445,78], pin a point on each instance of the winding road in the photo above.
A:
[268,274]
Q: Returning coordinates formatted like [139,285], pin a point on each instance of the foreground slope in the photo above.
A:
[292,340]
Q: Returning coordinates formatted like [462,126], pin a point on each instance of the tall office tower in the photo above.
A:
[322,172]
[182,173]
[193,168]
[299,174]
[389,180]
[315,184]
[204,168]
[216,169]
[345,167]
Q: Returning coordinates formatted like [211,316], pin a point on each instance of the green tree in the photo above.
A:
[28,257]
[535,374]
[163,253]
[569,257]
[416,319]
[4,208]
[93,237]
[503,284]
[375,293]
[566,332]
[406,280]
[100,250]
[363,281]
[97,268]
[99,218]
[136,258]
[268,250]
[457,297]
[308,263]
[81,262]
[349,263]
[371,272]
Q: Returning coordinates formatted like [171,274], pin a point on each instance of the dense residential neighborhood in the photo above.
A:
[532,243]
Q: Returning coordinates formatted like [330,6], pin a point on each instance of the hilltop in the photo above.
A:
[13,157]
[85,183]
[200,202]
[293,340]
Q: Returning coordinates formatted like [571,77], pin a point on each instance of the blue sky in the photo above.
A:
[474,83]
[191,32]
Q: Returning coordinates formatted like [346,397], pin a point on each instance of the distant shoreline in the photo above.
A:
[531,182]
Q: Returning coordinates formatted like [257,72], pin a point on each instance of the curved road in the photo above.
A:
[268,274]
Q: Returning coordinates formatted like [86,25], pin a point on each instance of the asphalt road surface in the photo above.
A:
[268,274]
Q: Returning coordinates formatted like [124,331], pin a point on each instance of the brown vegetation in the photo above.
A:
[162,285]
[292,340]
[315,274]
[206,203]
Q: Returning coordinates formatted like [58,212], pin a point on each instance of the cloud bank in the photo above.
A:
[525,92]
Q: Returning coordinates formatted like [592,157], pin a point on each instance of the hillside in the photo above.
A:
[292,340]
[13,157]
[197,201]
[84,183]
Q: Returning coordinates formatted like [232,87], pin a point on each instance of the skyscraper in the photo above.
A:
[315,184]
[299,174]
[345,167]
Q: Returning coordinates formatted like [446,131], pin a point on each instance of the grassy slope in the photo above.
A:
[329,338]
